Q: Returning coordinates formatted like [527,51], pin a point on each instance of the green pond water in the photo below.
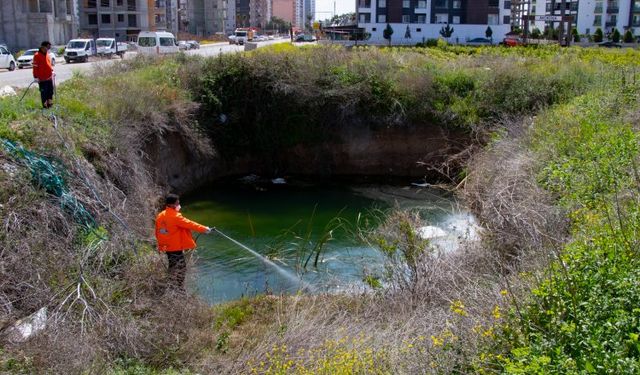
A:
[284,222]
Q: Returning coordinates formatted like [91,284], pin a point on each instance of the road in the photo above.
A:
[23,77]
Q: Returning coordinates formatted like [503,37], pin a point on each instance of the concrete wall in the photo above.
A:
[461,33]
[21,28]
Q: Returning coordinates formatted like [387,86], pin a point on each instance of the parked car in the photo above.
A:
[183,45]
[6,59]
[609,44]
[305,38]
[80,50]
[157,43]
[479,42]
[232,39]
[27,58]
[512,41]
[193,44]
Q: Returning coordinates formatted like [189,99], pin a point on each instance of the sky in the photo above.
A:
[324,8]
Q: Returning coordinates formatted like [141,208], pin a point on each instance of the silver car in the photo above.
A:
[27,58]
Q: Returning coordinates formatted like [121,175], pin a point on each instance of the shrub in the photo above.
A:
[615,36]
[598,35]
[628,36]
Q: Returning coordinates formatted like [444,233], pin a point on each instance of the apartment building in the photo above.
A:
[260,12]
[208,17]
[587,15]
[243,13]
[607,15]
[309,12]
[26,23]
[124,19]
[285,10]
[417,20]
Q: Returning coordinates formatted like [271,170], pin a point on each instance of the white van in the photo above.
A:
[157,43]
[79,50]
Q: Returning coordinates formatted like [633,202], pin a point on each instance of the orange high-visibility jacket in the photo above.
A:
[173,231]
[42,69]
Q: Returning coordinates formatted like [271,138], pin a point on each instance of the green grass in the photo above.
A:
[584,317]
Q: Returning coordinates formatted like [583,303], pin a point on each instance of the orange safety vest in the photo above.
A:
[173,231]
[42,68]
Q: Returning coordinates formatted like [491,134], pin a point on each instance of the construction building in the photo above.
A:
[26,23]
[124,19]
[208,17]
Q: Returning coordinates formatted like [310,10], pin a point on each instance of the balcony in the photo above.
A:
[364,6]
[612,8]
[421,8]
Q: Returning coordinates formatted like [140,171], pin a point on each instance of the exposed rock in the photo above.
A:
[7,91]
[25,328]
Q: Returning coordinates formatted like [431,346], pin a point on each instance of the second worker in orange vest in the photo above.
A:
[173,233]
[43,74]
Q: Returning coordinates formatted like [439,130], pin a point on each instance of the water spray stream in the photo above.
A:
[287,274]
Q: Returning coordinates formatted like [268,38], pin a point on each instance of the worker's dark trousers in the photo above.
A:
[46,91]
[177,269]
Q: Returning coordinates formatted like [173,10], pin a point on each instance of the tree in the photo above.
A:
[488,32]
[598,35]
[388,31]
[535,33]
[575,35]
[343,19]
[447,31]
[615,36]
[628,36]
[407,34]
[278,24]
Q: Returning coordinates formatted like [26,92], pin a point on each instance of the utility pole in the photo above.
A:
[563,31]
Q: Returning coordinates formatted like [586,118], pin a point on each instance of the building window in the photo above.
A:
[120,17]
[374,29]
[93,19]
[597,20]
[105,3]
[382,18]
[382,3]
[494,3]
[442,18]
[455,19]
[119,2]
[506,20]
[418,30]
[507,4]
[441,4]
[422,4]
[457,4]
[91,4]
[598,8]
[132,20]
[421,18]
[406,18]
[365,18]
[406,3]
[493,19]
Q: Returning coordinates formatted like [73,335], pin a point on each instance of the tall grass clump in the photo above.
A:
[581,315]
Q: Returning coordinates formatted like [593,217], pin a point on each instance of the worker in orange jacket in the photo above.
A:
[43,74]
[173,233]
